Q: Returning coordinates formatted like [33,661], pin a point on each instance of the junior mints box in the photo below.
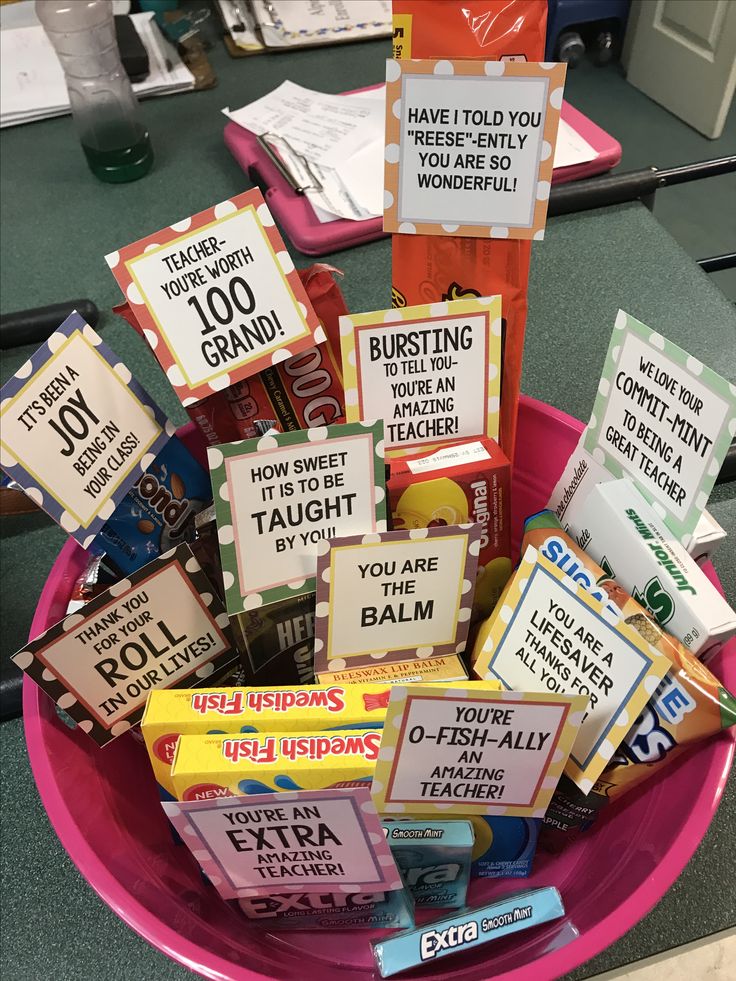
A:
[621,532]
[172,713]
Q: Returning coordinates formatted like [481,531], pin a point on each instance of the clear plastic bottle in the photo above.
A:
[104,107]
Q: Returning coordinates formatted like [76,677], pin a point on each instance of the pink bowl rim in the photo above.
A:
[210,965]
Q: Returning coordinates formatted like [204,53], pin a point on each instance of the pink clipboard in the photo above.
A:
[296,216]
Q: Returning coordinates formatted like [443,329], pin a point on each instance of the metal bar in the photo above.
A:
[718,262]
[634,185]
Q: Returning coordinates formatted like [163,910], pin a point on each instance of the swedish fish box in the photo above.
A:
[172,713]
[229,765]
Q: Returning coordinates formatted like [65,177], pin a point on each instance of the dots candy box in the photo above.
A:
[226,765]
[464,482]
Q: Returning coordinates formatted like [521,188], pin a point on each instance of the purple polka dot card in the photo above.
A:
[162,627]
[77,429]
[217,296]
[308,841]
[400,596]
[279,495]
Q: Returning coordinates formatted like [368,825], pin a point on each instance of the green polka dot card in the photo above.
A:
[77,429]
[279,495]
[663,419]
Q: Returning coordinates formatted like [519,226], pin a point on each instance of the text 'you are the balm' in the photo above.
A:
[399,596]
[77,429]
[310,841]
[550,635]
[277,496]
[217,296]
[664,419]
[162,627]
[432,372]
[470,147]
[473,752]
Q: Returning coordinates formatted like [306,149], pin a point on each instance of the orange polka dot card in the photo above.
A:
[217,296]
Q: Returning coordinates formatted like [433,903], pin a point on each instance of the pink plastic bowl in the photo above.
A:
[104,807]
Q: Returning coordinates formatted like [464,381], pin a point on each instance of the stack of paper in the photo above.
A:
[331,145]
[32,82]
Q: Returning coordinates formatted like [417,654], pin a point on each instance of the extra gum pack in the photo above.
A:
[231,765]
[464,482]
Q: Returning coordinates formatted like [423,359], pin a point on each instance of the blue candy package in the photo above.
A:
[434,858]
[158,512]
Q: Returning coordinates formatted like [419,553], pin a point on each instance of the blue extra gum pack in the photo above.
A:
[158,511]
[354,911]
[466,929]
[434,858]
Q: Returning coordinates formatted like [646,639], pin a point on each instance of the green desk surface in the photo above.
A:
[57,224]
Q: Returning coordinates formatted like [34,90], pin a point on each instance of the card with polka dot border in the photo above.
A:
[277,496]
[470,146]
[77,429]
[401,596]
[470,750]
[548,633]
[217,296]
[431,371]
[663,419]
[343,820]
[162,627]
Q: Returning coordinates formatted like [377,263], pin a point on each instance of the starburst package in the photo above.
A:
[464,482]
[240,764]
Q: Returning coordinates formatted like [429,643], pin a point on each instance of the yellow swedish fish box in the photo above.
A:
[228,765]
[172,713]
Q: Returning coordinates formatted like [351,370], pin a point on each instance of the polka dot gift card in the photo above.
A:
[473,752]
[77,429]
[308,841]
[395,597]
[548,634]
[664,419]
[217,296]
[470,147]
[432,372]
[162,627]
[277,496]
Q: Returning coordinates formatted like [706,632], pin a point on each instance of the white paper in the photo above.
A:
[571,148]
[285,23]
[32,84]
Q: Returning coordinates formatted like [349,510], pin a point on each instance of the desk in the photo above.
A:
[57,224]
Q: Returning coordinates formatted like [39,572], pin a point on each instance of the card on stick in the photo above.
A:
[77,429]
[394,597]
[159,628]
[473,752]
[550,634]
[217,296]
[432,372]
[664,419]
[277,496]
[309,841]
[470,146]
